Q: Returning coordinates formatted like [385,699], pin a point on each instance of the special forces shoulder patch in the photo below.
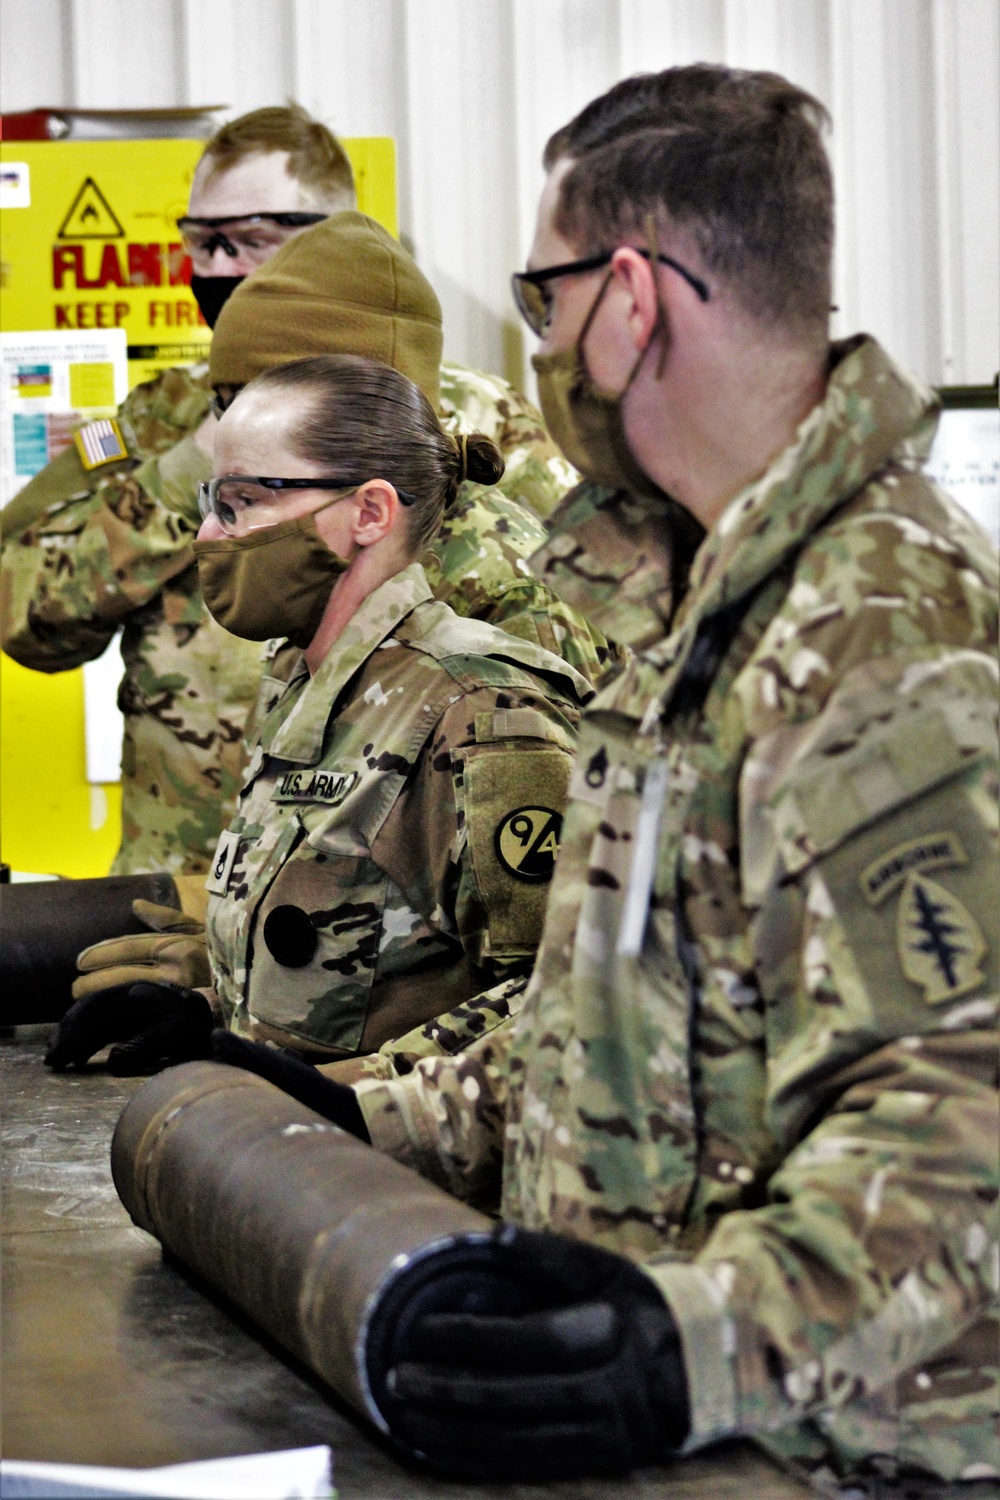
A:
[100,443]
[940,945]
[527,842]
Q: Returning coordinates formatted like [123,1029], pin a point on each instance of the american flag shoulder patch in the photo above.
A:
[100,442]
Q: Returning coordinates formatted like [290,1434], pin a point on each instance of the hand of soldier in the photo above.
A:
[334,1101]
[533,1358]
[153,1026]
[174,951]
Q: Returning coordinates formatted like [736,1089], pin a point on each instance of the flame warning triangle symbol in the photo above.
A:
[90,216]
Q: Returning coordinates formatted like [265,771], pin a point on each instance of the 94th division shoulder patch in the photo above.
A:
[939,942]
[527,842]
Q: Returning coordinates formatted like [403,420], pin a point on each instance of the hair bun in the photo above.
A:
[479,458]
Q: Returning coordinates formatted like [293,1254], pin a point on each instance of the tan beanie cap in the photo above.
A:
[343,287]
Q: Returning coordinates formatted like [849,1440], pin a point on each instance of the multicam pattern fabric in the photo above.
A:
[465,1025]
[757,1053]
[477,565]
[87,554]
[537,474]
[363,886]
[622,560]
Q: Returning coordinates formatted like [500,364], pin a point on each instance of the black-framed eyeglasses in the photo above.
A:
[534,301]
[255,236]
[232,497]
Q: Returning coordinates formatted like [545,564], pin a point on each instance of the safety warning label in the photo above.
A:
[91,244]
[90,216]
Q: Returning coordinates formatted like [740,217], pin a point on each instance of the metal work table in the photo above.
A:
[114,1355]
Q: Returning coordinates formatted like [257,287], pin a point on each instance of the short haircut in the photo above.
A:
[316,159]
[367,421]
[734,157]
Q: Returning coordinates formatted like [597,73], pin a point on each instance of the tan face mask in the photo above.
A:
[272,582]
[586,422]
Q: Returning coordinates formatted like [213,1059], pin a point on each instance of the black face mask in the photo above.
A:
[212,293]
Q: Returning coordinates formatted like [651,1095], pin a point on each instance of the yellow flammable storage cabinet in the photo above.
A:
[89,243]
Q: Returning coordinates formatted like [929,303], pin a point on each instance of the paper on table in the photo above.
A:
[292,1474]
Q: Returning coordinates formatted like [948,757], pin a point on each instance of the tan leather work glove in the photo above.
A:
[175,951]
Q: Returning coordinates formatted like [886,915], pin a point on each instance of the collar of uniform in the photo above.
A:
[608,552]
[871,412]
[159,412]
[611,555]
[173,477]
[306,707]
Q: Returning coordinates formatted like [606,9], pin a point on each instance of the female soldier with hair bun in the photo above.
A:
[393,842]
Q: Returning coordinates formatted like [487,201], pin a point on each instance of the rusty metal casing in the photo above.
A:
[298,1223]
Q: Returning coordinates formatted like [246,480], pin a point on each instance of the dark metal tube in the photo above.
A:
[44,925]
[297,1222]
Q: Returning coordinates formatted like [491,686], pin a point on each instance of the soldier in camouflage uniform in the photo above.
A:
[88,553]
[757,1056]
[420,907]
[397,829]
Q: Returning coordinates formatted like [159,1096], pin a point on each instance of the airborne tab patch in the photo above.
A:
[939,941]
[329,787]
[527,842]
[100,443]
[932,851]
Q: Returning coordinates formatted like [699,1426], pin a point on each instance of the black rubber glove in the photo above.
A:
[528,1357]
[334,1101]
[154,1025]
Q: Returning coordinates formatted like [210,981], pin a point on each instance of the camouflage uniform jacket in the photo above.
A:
[394,839]
[86,554]
[756,1052]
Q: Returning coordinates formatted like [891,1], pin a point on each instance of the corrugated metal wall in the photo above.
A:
[472,88]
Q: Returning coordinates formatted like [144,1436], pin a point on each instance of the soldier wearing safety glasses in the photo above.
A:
[390,854]
[743,1131]
[88,552]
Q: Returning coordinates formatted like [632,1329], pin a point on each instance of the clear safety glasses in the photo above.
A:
[253,237]
[242,503]
[534,300]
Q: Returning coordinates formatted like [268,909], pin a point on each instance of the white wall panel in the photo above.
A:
[238,52]
[655,35]
[460,163]
[970,31]
[350,64]
[125,52]
[35,54]
[471,89]
[564,55]
[888,223]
